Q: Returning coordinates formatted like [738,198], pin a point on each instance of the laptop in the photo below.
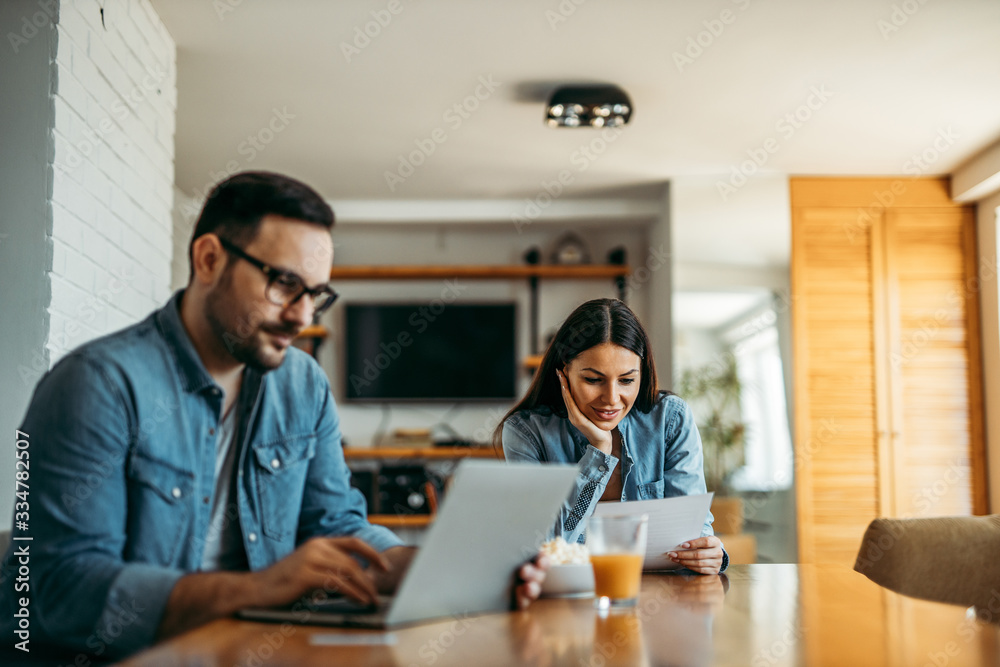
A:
[493,518]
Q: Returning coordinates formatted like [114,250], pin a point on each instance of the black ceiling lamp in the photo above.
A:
[588,106]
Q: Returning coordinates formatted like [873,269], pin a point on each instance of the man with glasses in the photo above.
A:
[191,465]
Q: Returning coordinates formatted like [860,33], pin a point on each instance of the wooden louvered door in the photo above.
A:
[887,389]
[836,453]
[932,317]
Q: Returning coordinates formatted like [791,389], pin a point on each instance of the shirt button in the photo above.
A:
[205,500]
[275,463]
[252,537]
[603,468]
[176,493]
[211,431]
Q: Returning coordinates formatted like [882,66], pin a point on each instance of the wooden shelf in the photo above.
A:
[314,331]
[401,520]
[533,362]
[471,272]
[360,453]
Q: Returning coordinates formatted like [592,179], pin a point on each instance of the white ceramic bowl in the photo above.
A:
[570,580]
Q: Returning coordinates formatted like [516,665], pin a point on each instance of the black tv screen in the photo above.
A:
[430,351]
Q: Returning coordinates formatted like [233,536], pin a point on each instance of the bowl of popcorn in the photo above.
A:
[570,573]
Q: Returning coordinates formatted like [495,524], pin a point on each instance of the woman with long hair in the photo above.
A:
[595,402]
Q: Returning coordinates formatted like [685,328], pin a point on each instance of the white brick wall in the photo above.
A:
[185,214]
[115,103]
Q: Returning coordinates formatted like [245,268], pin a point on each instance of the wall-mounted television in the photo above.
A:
[430,351]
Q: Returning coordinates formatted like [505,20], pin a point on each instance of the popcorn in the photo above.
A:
[561,552]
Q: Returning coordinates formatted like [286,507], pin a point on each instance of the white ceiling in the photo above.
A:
[890,93]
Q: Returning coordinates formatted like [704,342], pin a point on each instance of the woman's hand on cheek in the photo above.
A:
[598,437]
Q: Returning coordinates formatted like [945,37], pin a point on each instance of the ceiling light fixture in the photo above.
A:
[588,106]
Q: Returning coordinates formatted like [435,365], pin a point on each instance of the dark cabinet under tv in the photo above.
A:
[397,457]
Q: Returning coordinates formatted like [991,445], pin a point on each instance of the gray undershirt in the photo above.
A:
[224,542]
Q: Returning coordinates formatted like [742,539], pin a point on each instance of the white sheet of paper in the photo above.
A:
[672,521]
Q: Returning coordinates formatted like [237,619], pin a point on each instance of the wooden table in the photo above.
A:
[760,615]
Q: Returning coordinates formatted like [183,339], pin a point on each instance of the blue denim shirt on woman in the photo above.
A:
[661,458]
[122,436]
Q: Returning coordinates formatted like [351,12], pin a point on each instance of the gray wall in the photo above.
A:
[26,78]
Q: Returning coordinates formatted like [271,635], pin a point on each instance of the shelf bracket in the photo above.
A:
[533,295]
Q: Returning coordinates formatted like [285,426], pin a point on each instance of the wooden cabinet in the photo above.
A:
[888,412]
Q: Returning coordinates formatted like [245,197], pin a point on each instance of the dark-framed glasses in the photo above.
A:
[284,288]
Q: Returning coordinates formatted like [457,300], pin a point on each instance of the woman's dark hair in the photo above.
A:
[235,207]
[592,323]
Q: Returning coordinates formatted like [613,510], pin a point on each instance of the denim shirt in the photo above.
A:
[122,436]
[661,458]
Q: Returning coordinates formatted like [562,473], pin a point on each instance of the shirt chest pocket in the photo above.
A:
[651,490]
[281,471]
[159,509]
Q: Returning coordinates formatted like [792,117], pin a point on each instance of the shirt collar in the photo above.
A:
[193,374]
[624,423]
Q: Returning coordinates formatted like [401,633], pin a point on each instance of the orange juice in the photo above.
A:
[617,576]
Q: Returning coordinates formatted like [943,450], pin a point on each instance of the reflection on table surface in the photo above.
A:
[756,615]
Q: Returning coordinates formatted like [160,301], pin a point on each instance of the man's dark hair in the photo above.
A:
[235,207]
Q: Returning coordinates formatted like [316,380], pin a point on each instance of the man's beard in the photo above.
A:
[243,337]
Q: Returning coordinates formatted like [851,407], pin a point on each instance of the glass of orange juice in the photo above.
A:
[617,544]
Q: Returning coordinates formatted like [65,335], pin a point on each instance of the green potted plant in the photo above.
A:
[713,392]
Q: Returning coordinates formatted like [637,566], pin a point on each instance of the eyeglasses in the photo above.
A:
[284,288]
